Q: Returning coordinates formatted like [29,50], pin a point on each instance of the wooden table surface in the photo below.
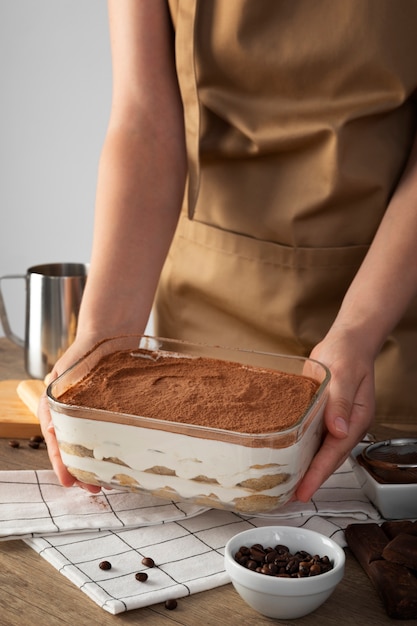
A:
[33,592]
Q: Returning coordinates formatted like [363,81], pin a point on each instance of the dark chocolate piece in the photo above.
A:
[396,583]
[366,541]
[392,529]
[402,550]
[397,587]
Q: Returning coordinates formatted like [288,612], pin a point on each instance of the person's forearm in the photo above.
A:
[387,279]
[141,175]
[136,216]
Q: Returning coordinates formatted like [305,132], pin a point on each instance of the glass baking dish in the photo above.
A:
[239,471]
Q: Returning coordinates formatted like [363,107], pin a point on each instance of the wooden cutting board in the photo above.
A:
[17,416]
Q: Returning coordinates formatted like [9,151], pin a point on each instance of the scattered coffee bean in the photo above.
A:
[171,604]
[104,565]
[34,442]
[37,439]
[148,562]
[280,562]
[141,577]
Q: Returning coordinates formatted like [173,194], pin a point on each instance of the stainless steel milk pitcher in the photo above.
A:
[53,298]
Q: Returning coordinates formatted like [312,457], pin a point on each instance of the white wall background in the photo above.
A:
[55,82]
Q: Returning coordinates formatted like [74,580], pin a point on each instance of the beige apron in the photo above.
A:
[299,119]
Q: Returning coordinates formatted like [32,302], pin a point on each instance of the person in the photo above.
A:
[258,187]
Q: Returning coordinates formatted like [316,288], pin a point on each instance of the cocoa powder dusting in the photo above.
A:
[202,391]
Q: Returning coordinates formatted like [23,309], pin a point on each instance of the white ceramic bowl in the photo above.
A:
[284,598]
[393,500]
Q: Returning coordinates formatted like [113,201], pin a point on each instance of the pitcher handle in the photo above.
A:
[3,314]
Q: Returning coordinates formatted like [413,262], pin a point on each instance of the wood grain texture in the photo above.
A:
[30,392]
[16,419]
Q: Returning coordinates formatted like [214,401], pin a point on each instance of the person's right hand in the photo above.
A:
[74,352]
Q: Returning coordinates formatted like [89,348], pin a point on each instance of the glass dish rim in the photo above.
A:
[130,419]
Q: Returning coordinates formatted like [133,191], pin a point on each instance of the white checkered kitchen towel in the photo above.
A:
[75,530]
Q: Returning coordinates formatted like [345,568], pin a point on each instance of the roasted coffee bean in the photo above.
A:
[104,565]
[14,444]
[148,562]
[292,566]
[34,444]
[315,569]
[280,562]
[304,567]
[171,604]
[37,439]
[271,556]
[302,555]
[257,553]
[242,558]
[141,577]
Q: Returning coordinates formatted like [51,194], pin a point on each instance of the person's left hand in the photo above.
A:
[350,407]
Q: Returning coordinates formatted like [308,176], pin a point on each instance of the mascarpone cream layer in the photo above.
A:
[134,451]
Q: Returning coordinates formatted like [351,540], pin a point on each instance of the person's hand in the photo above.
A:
[75,351]
[350,408]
